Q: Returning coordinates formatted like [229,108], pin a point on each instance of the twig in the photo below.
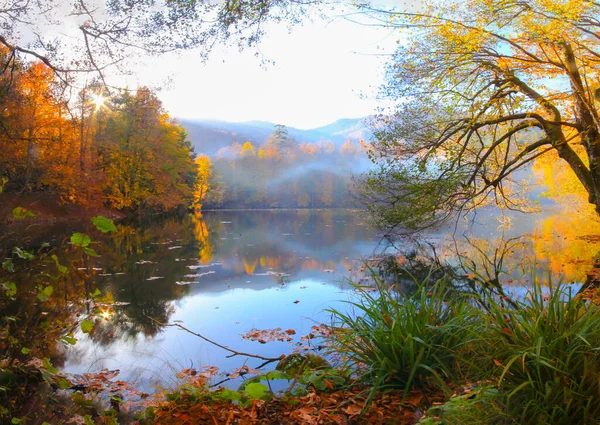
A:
[234,352]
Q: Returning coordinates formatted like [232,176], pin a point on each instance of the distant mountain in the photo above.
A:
[208,136]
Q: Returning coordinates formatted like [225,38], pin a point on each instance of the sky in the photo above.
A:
[322,71]
[304,77]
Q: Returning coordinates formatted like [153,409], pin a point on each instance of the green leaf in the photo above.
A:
[63,383]
[61,268]
[96,293]
[69,339]
[23,254]
[4,181]
[15,421]
[256,390]
[44,292]
[8,266]
[88,420]
[274,374]
[87,326]
[48,366]
[80,239]
[90,252]
[20,213]
[231,395]
[25,350]
[104,224]
[10,289]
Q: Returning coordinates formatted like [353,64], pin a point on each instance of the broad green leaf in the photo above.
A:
[104,224]
[8,266]
[63,383]
[69,339]
[25,350]
[87,326]
[15,421]
[274,374]
[256,390]
[80,239]
[23,254]
[20,213]
[10,289]
[90,252]
[61,268]
[44,292]
[228,394]
[96,293]
[48,366]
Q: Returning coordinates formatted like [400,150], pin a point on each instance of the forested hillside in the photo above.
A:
[280,172]
[209,136]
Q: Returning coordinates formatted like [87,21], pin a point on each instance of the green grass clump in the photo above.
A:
[547,353]
[402,340]
[530,361]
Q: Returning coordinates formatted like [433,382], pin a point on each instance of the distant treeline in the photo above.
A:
[281,173]
[123,151]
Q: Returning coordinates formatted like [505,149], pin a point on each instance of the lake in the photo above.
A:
[220,275]
[228,272]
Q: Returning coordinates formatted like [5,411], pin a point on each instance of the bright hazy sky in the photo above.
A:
[322,72]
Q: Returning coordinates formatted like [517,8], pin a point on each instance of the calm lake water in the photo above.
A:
[220,275]
[225,273]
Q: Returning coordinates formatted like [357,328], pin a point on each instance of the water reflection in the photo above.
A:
[224,273]
[220,274]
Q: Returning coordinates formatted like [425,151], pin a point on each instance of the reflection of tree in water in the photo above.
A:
[284,241]
[568,244]
[201,233]
[149,258]
[477,265]
[128,322]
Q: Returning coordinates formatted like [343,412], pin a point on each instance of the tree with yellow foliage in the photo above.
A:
[203,176]
[487,87]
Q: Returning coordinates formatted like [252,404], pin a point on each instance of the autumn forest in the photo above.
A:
[299,212]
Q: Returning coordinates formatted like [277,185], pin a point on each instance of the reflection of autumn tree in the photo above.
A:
[201,234]
[561,183]
[569,239]
[568,243]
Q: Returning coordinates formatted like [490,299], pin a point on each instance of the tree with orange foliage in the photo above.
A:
[487,87]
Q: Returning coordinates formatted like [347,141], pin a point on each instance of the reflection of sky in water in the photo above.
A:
[242,270]
[229,272]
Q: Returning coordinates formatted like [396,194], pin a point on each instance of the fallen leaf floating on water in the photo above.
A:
[241,371]
[199,266]
[269,335]
[199,274]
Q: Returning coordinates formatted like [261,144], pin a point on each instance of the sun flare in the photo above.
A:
[98,100]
